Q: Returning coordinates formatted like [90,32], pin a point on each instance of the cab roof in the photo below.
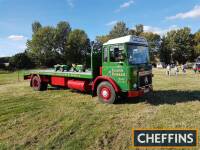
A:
[128,39]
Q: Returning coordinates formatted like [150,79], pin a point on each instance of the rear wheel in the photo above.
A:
[37,84]
[106,93]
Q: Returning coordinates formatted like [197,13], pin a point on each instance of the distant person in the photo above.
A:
[168,70]
[176,70]
[183,69]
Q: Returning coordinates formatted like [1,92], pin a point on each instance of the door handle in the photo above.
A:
[121,63]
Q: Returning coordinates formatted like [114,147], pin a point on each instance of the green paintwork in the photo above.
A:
[82,75]
[122,73]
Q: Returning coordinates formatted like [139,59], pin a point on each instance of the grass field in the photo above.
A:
[62,119]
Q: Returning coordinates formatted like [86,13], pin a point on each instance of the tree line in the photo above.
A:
[56,45]
[63,45]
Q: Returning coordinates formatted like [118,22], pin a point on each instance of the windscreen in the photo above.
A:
[138,54]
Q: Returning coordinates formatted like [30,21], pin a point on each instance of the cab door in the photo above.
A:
[114,64]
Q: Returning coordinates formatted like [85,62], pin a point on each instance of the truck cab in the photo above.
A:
[126,61]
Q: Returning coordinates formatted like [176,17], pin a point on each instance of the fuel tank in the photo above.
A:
[82,86]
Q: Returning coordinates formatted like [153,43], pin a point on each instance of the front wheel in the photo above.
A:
[106,93]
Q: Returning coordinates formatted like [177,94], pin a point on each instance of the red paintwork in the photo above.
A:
[35,83]
[105,78]
[44,79]
[105,97]
[135,93]
[139,92]
[100,71]
[78,85]
[58,81]
[197,69]
[34,75]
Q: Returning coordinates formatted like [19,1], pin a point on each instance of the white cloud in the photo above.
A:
[16,37]
[71,3]
[111,23]
[125,5]
[160,31]
[194,13]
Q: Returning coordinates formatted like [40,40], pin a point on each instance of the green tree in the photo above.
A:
[78,46]
[197,44]
[21,61]
[62,33]
[165,51]
[43,47]
[36,26]
[139,29]
[4,60]
[103,39]
[154,44]
[119,30]
[58,45]
[180,44]
[132,32]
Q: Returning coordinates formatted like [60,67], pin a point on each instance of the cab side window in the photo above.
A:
[105,54]
[116,53]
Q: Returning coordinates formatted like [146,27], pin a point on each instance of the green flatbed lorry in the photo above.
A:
[120,68]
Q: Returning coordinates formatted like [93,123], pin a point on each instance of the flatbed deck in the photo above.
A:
[84,75]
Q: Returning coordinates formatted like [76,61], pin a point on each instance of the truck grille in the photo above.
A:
[145,80]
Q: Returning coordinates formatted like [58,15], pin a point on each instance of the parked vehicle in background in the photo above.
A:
[121,68]
[196,66]
[161,65]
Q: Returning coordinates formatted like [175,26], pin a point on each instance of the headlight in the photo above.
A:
[135,86]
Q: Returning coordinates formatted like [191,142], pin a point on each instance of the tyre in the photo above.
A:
[37,85]
[106,93]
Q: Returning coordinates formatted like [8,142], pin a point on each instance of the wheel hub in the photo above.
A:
[35,83]
[105,93]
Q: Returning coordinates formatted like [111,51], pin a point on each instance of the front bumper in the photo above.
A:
[140,92]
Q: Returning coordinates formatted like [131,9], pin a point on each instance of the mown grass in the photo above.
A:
[62,119]
[7,77]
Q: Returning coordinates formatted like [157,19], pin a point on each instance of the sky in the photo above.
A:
[96,17]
